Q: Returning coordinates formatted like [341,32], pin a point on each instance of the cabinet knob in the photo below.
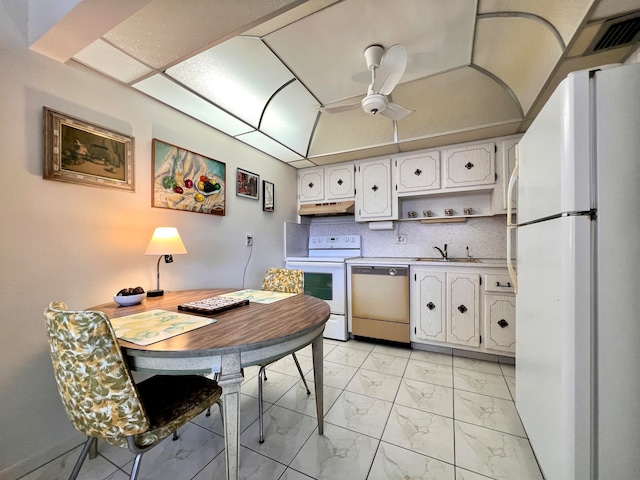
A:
[374,188]
[469,166]
[503,323]
[462,308]
[340,182]
[417,172]
[310,184]
[430,306]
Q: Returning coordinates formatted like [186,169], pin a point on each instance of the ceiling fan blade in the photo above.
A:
[340,108]
[392,67]
[395,111]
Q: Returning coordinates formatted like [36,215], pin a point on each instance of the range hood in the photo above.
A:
[326,209]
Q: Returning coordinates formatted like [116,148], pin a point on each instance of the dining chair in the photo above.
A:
[99,393]
[286,281]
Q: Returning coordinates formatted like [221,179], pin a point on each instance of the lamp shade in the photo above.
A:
[165,241]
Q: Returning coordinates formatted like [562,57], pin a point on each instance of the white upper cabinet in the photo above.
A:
[470,165]
[374,199]
[418,173]
[311,185]
[339,182]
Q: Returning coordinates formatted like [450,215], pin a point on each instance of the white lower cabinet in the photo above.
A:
[456,307]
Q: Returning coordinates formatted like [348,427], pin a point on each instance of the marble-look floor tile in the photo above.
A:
[421,432]
[511,384]
[402,352]
[250,373]
[486,411]
[429,372]
[395,463]
[338,454]
[478,365]
[287,366]
[359,345]
[253,466]
[374,384]
[291,474]
[433,357]
[248,415]
[334,374]
[299,401]
[285,431]
[425,396]
[462,474]
[352,357]
[508,370]
[360,413]
[480,382]
[495,454]
[272,389]
[385,363]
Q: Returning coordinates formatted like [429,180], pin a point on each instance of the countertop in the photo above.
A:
[395,261]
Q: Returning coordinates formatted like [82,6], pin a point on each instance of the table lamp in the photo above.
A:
[164,242]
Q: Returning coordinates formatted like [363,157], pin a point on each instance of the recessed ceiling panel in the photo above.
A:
[239,75]
[269,146]
[326,50]
[166,91]
[109,60]
[290,117]
[168,30]
[454,101]
[519,51]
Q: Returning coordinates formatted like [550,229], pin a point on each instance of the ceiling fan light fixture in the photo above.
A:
[374,103]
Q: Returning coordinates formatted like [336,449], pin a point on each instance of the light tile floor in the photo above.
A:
[390,413]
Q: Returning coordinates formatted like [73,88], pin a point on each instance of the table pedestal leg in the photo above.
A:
[231,378]
[316,347]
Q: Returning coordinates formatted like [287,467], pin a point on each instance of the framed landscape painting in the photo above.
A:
[77,151]
[184,180]
[247,184]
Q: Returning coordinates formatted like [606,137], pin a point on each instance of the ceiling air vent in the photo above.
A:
[616,32]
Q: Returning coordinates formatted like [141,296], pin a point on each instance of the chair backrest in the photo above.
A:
[94,381]
[283,280]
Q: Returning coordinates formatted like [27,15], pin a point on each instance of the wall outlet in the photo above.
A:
[249,240]
[401,239]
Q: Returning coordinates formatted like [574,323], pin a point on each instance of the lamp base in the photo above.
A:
[155,293]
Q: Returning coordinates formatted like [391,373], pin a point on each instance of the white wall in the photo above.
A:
[82,244]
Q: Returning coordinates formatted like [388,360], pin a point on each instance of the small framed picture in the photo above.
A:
[80,152]
[268,196]
[247,184]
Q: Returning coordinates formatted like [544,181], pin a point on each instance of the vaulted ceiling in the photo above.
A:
[261,71]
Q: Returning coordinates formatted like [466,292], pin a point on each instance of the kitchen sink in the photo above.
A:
[450,260]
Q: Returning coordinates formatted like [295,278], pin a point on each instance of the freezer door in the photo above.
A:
[552,344]
[554,154]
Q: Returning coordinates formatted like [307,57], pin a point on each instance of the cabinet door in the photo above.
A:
[339,182]
[471,165]
[500,322]
[311,185]
[463,305]
[373,191]
[418,173]
[429,306]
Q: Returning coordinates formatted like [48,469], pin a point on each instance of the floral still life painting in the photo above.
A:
[184,180]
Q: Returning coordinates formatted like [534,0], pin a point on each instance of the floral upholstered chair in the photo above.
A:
[100,396]
[286,281]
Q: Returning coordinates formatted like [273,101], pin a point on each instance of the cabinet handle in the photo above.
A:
[430,306]
[503,323]
[508,285]
[340,182]
[310,184]
[462,308]
[417,172]
[469,166]
[374,188]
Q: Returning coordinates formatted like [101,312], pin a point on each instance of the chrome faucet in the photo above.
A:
[443,253]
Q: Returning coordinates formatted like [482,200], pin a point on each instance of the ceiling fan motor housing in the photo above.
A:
[374,103]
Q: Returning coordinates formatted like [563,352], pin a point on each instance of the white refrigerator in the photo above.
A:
[578,278]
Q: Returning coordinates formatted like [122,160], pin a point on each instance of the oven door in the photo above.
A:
[327,281]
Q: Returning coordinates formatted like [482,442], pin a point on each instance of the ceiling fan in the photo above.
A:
[387,69]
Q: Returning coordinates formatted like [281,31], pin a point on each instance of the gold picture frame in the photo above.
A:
[76,151]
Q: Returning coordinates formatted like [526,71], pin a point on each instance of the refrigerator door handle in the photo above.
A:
[511,225]
[512,272]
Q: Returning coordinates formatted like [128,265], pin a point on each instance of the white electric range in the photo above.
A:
[325,276]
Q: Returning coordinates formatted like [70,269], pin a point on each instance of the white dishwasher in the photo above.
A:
[380,302]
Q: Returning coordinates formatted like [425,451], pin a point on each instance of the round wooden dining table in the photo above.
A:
[248,335]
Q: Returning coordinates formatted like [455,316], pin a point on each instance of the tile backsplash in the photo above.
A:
[485,237]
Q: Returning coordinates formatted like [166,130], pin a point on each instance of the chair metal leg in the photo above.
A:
[304,380]
[219,402]
[83,454]
[175,436]
[93,453]
[136,467]
[260,411]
